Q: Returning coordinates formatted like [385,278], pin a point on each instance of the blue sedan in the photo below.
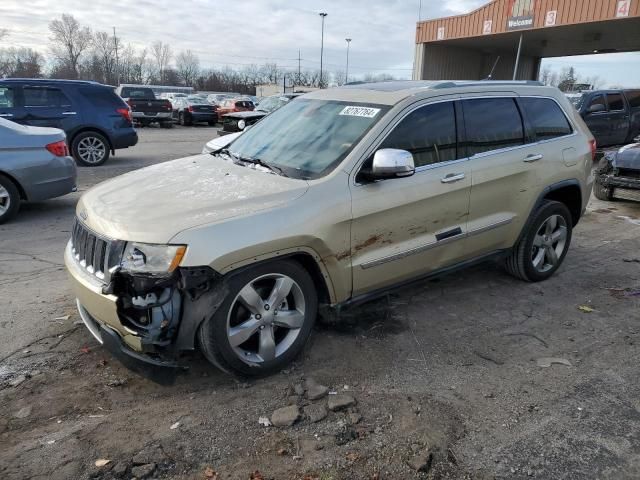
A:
[34,165]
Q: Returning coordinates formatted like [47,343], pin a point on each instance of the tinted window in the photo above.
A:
[632,95]
[244,104]
[491,124]
[102,97]
[615,101]
[546,118]
[6,97]
[598,100]
[142,93]
[44,97]
[429,133]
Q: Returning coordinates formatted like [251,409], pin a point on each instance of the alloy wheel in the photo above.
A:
[265,318]
[91,150]
[549,243]
[5,200]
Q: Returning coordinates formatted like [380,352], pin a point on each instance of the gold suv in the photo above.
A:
[335,198]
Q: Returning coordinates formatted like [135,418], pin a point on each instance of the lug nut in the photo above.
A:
[258,316]
[266,307]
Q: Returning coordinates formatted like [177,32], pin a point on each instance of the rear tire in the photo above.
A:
[541,249]
[9,199]
[90,149]
[212,123]
[249,338]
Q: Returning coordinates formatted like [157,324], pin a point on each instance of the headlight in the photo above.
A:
[241,124]
[147,258]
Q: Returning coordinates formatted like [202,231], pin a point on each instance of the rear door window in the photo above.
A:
[546,118]
[616,103]
[429,133]
[598,100]
[6,97]
[44,97]
[492,124]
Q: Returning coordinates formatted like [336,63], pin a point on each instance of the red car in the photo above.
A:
[234,105]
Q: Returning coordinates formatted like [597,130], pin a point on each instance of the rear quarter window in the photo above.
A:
[546,118]
[634,98]
[102,97]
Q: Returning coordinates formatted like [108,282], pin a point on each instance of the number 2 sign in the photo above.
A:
[623,8]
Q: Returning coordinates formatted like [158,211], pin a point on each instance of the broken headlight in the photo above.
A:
[148,258]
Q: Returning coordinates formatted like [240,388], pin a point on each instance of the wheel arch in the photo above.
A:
[21,190]
[307,258]
[567,192]
[73,136]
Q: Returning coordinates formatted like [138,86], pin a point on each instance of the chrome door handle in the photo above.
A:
[69,113]
[452,177]
[6,115]
[533,158]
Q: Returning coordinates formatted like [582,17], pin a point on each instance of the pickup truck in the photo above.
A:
[613,116]
[145,107]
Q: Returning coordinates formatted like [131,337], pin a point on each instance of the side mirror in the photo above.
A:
[391,163]
[595,108]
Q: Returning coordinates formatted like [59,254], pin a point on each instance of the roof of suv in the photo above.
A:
[53,80]
[390,93]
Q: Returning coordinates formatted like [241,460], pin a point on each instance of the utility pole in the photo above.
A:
[346,76]
[299,71]
[115,44]
[323,15]
[515,68]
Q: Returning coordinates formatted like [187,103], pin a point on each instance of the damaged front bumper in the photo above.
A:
[145,321]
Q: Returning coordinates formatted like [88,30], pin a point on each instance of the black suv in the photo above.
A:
[95,119]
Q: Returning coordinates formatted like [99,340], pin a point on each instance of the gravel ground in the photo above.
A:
[446,376]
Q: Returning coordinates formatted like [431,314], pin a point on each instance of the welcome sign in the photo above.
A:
[521,14]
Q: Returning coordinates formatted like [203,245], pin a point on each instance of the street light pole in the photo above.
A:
[346,76]
[323,15]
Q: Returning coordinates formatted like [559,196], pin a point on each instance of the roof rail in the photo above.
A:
[467,83]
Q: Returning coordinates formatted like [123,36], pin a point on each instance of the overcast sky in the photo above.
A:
[238,32]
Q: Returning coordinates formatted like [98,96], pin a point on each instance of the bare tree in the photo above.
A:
[3,33]
[21,62]
[70,40]
[162,55]
[188,67]
[104,49]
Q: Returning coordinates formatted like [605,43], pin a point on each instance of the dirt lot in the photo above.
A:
[446,375]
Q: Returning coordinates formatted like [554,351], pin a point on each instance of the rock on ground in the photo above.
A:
[315,412]
[143,471]
[315,391]
[285,416]
[149,454]
[338,402]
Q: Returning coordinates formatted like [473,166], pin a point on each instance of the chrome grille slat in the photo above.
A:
[90,250]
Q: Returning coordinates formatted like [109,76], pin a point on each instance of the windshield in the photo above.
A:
[270,104]
[308,138]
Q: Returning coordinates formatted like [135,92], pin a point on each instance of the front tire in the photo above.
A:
[9,199]
[90,149]
[264,322]
[541,249]
[166,124]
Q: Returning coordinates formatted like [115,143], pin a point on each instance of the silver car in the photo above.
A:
[34,165]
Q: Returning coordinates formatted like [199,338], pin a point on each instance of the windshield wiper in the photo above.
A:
[257,161]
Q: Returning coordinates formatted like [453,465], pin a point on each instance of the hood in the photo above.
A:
[14,135]
[251,114]
[220,142]
[156,203]
[627,157]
